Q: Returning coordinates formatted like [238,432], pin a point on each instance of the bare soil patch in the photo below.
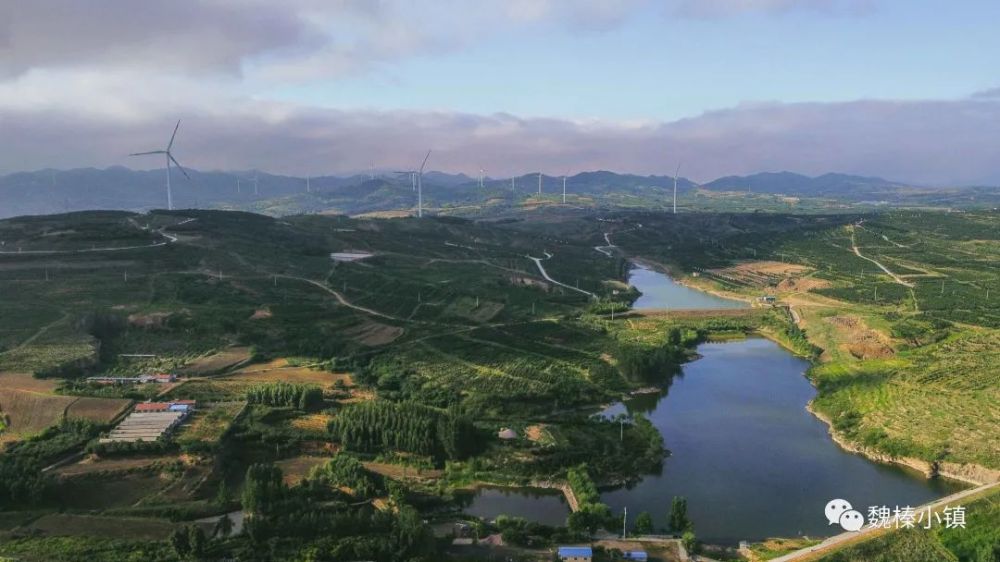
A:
[312,422]
[26,381]
[101,410]
[64,524]
[217,362]
[296,469]
[30,412]
[281,370]
[96,465]
[400,472]
[859,340]
[372,333]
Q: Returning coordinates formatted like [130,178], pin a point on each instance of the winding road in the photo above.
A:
[895,277]
[168,239]
[844,539]
[545,274]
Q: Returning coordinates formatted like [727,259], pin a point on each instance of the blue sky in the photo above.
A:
[655,67]
[872,87]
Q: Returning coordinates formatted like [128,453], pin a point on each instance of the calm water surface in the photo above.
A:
[660,291]
[544,506]
[752,462]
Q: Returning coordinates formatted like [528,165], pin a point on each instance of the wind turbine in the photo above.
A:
[539,183]
[308,190]
[676,172]
[170,158]
[482,173]
[256,184]
[420,186]
[413,177]
[564,189]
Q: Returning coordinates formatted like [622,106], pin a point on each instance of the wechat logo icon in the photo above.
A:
[840,512]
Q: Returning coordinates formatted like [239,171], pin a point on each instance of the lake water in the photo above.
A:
[749,458]
[660,291]
[541,505]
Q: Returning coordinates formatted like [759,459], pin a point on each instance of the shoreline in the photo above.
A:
[682,280]
[972,474]
[969,473]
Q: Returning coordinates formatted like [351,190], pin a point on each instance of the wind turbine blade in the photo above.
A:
[171,143]
[425,161]
[178,164]
[150,152]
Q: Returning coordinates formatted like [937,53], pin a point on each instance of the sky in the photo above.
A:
[906,90]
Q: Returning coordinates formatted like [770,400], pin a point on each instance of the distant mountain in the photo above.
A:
[118,188]
[832,186]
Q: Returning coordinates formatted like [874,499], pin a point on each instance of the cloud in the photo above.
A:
[939,142]
[727,8]
[197,36]
[992,93]
[303,40]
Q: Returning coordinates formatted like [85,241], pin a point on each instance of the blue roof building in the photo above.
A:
[635,555]
[576,553]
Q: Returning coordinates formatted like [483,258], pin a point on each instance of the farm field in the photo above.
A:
[393,377]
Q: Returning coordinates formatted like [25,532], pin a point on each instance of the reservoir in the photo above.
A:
[749,458]
[535,504]
[660,291]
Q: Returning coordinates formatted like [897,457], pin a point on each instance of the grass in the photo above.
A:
[64,524]
[28,413]
[455,316]
[209,422]
[774,548]
[978,541]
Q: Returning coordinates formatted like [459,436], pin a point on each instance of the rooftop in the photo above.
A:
[575,551]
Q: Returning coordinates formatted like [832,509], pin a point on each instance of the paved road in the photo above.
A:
[340,298]
[545,274]
[882,267]
[168,239]
[835,542]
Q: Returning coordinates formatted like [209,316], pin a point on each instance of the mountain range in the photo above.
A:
[52,191]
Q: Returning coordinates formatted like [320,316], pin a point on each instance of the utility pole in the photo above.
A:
[624,522]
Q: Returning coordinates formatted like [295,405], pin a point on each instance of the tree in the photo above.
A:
[679,521]
[197,541]
[224,527]
[180,542]
[690,542]
[644,524]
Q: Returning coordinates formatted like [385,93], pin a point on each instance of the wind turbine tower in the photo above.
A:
[308,188]
[170,158]
[564,190]
[256,184]
[481,176]
[420,186]
[676,172]
[539,183]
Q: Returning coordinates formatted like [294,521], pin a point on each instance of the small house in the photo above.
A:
[576,554]
[507,434]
